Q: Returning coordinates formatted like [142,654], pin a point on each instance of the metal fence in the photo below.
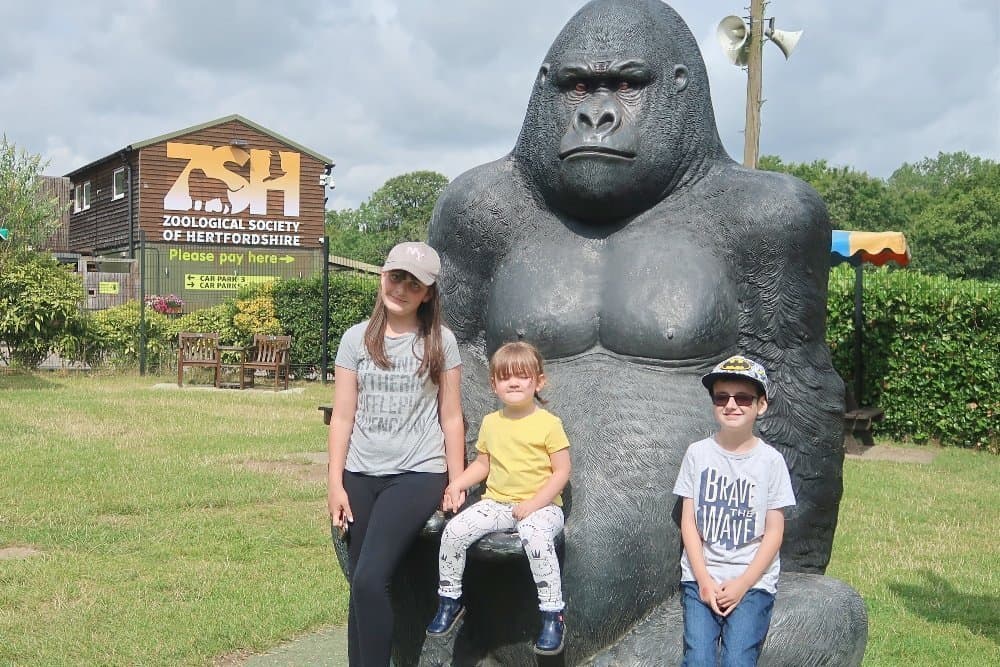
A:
[204,276]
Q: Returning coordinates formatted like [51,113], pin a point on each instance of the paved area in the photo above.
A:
[923,454]
[326,648]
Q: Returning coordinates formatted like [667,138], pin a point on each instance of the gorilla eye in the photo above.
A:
[580,87]
[624,85]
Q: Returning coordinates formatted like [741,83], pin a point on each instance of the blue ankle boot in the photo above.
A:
[550,639]
[448,613]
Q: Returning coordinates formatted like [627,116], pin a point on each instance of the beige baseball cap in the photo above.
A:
[416,258]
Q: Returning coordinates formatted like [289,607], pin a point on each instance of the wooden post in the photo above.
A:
[859,332]
[751,132]
[142,299]
[324,356]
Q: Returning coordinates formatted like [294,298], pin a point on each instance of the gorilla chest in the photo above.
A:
[652,293]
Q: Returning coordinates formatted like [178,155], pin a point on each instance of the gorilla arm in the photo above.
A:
[470,229]
[782,262]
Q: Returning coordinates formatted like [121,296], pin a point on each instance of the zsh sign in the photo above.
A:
[240,192]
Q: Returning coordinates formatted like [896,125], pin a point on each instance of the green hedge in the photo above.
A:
[289,307]
[114,336]
[930,353]
[299,305]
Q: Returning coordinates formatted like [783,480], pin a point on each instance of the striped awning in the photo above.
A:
[870,247]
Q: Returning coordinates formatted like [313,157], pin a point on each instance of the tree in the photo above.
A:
[854,199]
[26,211]
[39,299]
[957,230]
[948,206]
[916,185]
[398,211]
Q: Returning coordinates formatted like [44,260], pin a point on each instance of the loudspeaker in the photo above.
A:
[785,41]
[733,35]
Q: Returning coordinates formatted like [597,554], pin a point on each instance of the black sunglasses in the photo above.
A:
[721,399]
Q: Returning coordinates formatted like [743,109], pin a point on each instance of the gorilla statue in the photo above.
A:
[621,239]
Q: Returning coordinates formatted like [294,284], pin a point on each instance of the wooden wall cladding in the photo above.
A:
[224,185]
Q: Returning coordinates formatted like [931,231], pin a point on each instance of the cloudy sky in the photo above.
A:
[389,86]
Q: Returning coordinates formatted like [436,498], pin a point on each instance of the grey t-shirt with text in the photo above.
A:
[396,425]
[731,494]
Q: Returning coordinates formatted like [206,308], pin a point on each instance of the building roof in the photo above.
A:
[194,128]
[355,264]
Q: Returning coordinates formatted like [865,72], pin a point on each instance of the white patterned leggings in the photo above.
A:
[537,531]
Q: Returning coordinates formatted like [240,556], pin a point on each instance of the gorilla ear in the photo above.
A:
[543,73]
[680,77]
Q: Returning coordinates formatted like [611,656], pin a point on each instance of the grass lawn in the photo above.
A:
[921,543]
[160,546]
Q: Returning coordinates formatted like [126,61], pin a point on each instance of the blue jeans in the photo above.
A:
[742,632]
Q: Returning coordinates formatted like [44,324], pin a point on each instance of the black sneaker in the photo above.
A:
[550,639]
[448,613]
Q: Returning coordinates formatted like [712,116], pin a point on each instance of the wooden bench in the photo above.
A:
[858,428]
[198,350]
[269,354]
[327,413]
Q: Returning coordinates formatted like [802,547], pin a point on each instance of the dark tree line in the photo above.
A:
[948,207]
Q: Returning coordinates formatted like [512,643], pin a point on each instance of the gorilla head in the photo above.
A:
[620,112]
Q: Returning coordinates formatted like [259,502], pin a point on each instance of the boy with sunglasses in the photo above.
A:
[733,487]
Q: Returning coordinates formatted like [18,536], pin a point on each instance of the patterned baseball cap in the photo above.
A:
[416,258]
[738,366]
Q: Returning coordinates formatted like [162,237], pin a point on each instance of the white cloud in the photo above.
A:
[384,87]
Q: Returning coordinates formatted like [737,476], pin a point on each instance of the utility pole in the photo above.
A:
[751,133]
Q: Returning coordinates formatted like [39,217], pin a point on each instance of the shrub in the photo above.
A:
[116,332]
[39,302]
[80,342]
[299,308]
[255,313]
[930,353]
[217,319]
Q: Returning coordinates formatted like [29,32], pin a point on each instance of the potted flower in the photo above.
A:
[168,305]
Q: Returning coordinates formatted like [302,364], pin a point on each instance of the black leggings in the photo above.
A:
[388,514]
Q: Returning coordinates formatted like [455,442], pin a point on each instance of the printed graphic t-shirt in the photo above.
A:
[396,426]
[732,493]
[519,453]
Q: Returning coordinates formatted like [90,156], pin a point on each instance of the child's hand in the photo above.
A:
[709,592]
[453,500]
[523,509]
[730,594]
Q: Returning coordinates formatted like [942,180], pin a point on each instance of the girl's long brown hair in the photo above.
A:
[429,318]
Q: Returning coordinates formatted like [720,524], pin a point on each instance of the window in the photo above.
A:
[118,183]
[81,197]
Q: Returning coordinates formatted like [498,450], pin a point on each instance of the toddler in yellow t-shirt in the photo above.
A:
[524,458]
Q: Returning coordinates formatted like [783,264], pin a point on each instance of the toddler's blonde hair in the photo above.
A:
[517,358]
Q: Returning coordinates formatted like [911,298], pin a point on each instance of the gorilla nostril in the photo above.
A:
[608,121]
[583,119]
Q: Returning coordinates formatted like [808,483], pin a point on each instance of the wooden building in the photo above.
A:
[205,210]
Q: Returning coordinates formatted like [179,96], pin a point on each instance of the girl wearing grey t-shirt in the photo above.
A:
[396,437]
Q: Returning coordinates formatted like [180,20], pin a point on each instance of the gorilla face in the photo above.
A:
[602,156]
[608,131]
